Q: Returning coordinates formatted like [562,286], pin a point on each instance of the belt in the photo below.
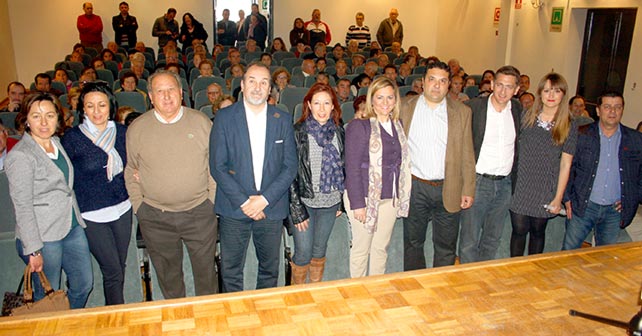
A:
[434,183]
[493,177]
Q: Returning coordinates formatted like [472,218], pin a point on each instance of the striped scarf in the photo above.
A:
[106,141]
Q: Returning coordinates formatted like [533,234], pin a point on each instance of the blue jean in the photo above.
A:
[108,242]
[313,242]
[483,223]
[604,218]
[426,204]
[235,236]
[70,254]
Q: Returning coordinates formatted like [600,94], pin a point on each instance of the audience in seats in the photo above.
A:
[6,143]
[343,91]
[43,84]
[214,91]
[281,80]
[129,83]
[278,45]
[456,85]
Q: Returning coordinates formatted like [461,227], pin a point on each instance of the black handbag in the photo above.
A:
[12,299]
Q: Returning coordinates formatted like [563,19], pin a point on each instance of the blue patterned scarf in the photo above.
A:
[331,163]
[105,140]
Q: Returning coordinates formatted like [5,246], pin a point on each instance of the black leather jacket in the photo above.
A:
[302,184]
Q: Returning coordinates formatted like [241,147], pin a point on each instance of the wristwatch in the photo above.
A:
[37,253]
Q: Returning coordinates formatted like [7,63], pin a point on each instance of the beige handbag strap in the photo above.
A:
[28,293]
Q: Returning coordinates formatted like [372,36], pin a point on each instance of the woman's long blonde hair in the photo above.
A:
[562,118]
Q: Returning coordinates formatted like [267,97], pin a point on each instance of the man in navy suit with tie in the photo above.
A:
[253,160]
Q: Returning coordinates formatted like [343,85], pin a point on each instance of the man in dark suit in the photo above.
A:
[125,27]
[495,126]
[253,160]
[442,166]
[226,30]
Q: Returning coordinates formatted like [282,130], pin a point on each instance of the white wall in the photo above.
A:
[44,32]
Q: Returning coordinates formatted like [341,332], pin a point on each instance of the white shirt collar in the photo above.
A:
[173,121]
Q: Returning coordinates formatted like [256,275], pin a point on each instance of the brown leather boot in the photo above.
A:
[317,265]
[299,273]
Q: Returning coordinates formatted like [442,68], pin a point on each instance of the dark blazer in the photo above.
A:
[231,162]
[228,36]
[302,184]
[479,107]
[584,169]
[460,158]
[127,26]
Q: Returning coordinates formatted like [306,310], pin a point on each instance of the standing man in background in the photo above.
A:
[90,28]
[226,30]
[390,30]
[319,30]
[125,27]
[359,32]
[166,28]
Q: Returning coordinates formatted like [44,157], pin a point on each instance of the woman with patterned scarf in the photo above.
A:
[96,149]
[377,178]
[315,194]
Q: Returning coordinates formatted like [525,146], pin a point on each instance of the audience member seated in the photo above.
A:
[214,91]
[353,47]
[319,50]
[488,75]
[107,55]
[383,60]
[299,33]
[338,52]
[173,67]
[221,102]
[129,83]
[278,45]
[417,86]
[470,81]
[122,114]
[236,71]
[97,63]
[76,57]
[140,47]
[281,79]
[251,46]
[485,88]
[454,92]
[404,71]
[308,68]
[43,84]
[390,71]
[322,77]
[577,108]
[454,66]
[266,58]
[89,73]
[371,69]
[15,95]
[301,48]
[206,69]
[6,143]
[396,49]
[414,50]
[411,60]
[359,105]
[61,76]
[233,57]
[341,70]
[527,99]
[321,64]
[343,90]
[361,81]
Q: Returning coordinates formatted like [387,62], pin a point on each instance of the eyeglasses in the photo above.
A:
[616,108]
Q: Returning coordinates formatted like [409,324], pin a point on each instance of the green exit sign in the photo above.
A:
[556,19]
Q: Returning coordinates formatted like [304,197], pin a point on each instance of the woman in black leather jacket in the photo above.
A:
[316,193]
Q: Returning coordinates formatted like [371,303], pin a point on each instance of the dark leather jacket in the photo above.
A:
[302,184]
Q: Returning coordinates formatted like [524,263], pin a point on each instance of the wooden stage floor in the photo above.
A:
[521,296]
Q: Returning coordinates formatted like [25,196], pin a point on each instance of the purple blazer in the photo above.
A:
[357,162]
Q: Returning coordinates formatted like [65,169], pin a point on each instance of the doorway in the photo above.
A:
[605,52]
